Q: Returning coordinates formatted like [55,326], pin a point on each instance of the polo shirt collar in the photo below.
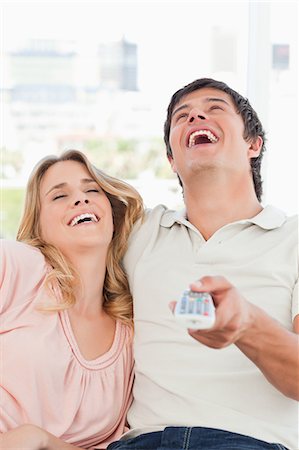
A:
[268,219]
[170,217]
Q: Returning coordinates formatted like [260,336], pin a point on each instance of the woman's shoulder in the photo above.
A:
[23,269]
[19,257]
[20,252]
[13,245]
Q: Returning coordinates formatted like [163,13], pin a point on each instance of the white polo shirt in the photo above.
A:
[180,382]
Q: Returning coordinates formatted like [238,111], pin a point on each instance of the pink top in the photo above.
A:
[44,378]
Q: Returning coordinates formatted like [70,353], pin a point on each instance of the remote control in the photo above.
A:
[195,310]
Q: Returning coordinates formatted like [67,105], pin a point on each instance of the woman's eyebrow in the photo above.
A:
[57,186]
[63,184]
[88,180]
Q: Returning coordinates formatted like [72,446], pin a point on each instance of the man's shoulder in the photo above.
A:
[288,221]
[291,227]
[147,230]
[273,218]
[292,221]
[160,214]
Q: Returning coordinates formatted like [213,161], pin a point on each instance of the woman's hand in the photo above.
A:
[24,437]
[31,437]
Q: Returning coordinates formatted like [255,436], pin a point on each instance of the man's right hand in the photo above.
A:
[234,314]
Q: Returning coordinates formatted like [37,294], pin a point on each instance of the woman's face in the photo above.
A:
[76,214]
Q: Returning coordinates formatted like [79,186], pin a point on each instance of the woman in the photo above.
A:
[66,310]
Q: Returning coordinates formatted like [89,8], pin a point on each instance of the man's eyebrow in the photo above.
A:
[208,99]
[179,108]
[216,99]
[61,185]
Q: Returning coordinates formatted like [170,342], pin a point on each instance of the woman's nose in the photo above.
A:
[81,201]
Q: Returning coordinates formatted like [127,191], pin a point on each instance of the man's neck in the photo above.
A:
[213,207]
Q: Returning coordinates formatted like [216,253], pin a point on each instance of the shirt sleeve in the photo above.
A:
[23,270]
[143,236]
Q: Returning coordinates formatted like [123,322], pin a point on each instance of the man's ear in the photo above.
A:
[255,147]
[171,162]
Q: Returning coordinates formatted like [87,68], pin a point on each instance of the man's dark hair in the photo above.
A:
[252,125]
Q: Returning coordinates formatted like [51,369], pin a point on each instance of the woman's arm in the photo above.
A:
[31,437]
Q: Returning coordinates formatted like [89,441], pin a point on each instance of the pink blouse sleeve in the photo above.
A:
[23,269]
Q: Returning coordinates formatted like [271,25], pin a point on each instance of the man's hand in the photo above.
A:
[269,345]
[234,314]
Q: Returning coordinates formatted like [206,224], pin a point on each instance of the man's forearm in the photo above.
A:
[275,351]
[271,347]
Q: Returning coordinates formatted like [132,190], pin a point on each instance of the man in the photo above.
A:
[234,386]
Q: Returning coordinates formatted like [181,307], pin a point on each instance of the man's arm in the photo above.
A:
[272,348]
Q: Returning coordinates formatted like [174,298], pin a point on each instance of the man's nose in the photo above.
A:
[195,114]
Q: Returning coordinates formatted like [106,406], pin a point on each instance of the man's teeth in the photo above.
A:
[206,133]
[90,216]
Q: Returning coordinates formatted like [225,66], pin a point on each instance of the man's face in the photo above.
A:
[206,133]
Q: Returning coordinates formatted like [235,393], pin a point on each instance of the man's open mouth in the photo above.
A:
[201,137]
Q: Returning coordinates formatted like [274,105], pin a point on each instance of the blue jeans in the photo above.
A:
[195,438]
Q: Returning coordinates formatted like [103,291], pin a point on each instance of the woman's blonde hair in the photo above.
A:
[127,207]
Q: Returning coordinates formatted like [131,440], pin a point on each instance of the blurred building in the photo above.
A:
[49,103]
[43,72]
[118,65]
[46,95]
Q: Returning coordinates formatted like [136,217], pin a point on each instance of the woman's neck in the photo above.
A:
[91,269]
